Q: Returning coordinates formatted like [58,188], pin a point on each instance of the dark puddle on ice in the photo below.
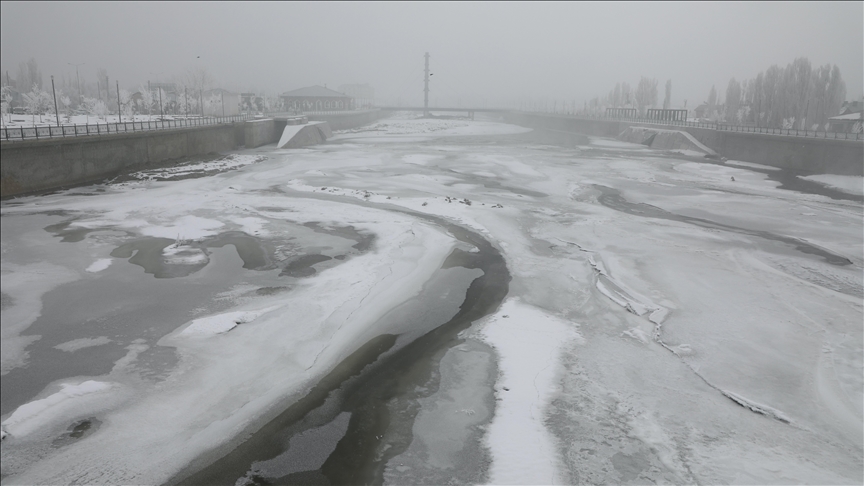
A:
[789,179]
[611,198]
[70,234]
[124,307]
[309,443]
[148,253]
[302,266]
[363,241]
[167,258]
[78,430]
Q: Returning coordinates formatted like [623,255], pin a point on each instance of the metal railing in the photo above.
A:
[13,134]
[723,127]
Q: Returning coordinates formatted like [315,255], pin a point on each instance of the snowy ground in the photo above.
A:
[664,322]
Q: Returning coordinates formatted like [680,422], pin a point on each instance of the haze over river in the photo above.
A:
[431,302]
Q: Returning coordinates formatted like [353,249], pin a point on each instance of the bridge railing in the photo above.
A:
[18,134]
[792,132]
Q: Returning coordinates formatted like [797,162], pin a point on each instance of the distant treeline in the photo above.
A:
[797,96]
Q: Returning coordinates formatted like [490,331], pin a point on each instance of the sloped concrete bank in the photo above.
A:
[312,133]
[665,140]
[808,155]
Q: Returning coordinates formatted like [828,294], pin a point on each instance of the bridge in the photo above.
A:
[426,110]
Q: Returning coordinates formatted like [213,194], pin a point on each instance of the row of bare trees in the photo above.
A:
[798,96]
[643,96]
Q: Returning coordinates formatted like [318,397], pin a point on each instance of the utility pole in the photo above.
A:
[426,89]
[119,110]
[53,91]
[78,78]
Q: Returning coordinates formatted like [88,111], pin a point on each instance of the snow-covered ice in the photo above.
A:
[663,324]
[99,265]
[850,184]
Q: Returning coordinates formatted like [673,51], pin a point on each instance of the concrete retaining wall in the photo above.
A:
[811,155]
[48,164]
[260,132]
[344,121]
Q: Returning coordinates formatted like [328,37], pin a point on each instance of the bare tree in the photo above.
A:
[198,80]
[28,75]
[646,94]
[667,100]
[733,101]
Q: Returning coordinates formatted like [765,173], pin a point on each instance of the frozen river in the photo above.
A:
[436,302]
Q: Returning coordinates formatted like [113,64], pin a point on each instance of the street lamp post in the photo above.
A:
[77,77]
[54,92]
[161,113]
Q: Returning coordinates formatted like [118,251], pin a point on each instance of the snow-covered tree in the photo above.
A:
[38,101]
[126,105]
[5,101]
[187,102]
[95,107]
[146,101]
[214,102]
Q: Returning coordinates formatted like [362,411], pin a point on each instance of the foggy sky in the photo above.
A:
[492,51]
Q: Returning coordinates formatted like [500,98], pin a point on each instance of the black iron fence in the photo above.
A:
[731,128]
[12,134]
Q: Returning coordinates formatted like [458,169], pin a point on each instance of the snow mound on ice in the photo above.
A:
[31,416]
[528,342]
[76,344]
[221,323]
[99,265]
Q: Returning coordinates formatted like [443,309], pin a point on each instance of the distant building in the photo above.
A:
[848,123]
[221,102]
[850,119]
[851,107]
[363,94]
[251,102]
[316,98]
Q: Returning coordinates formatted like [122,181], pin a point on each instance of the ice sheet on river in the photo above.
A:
[754,376]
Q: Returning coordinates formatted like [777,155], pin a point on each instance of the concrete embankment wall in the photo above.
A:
[811,155]
[345,121]
[260,132]
[39,165]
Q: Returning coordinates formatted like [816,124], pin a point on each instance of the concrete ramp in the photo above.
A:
[665,140]
[312,133]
